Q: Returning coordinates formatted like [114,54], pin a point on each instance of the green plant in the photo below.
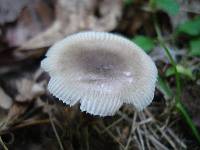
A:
[178,103]
[194,47]
[169,6]
[145,42]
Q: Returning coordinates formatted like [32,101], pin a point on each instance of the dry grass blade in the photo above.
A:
[157,144]
[111,125]
[140,137]
[124,116]
[2,144]
[149,133]
[144,128]
[26,124]
[111,135]
[176,138]
[115,138]
[133,127]
[56,133]
[146,134]
[168,139]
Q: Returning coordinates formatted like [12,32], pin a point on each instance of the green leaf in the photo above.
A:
[163,86]
[128,2]
[181,70]
[144,42]
[169,6]
[195,47]
[190,27]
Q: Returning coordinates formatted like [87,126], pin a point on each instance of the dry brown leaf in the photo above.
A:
[76,15]
[34,18]
[5,100]
[28,88]
[14,112]
[133,20]
[9,10]
[186,7]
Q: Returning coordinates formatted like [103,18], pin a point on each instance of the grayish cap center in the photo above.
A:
[100,62]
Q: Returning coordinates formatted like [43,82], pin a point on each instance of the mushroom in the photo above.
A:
[101,71]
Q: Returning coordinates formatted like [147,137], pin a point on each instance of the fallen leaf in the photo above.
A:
[10,10]
[5,100]
[28,88]
[76,15]
[34,18]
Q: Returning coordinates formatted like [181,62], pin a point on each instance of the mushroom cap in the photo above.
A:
[101,71]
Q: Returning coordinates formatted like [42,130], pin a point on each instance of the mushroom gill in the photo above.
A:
[101,71]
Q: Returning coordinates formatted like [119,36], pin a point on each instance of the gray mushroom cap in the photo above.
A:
[101,71]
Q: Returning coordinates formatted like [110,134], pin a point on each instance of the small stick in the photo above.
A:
[113,124]
[2,144]
[176,138]
[167,137]
[56,133]
[140,138]
[134,125]
[156,142]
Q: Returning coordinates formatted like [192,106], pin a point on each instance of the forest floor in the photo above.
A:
[32,119]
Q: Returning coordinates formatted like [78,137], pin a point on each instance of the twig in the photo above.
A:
[137,141]
[56,133]
[113,124]
[153,132]
[110,133]
[157,143]
[37,122]
[168,139]
[2,144]
[146,132]
[124,116]
[54,128]
[140,138]
[176,138]
[145,121]
[133,127]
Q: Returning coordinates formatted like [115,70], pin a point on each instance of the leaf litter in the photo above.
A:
[31,118]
